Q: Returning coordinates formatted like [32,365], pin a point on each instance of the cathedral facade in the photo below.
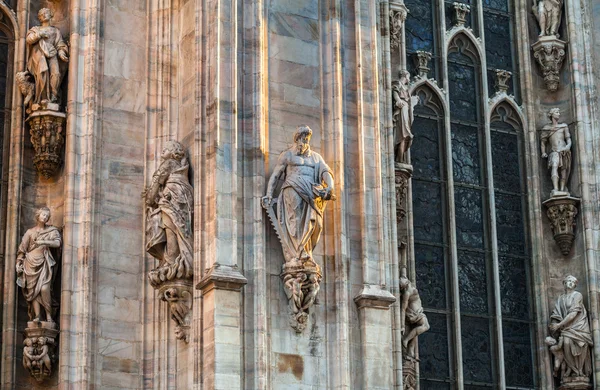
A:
[300,194]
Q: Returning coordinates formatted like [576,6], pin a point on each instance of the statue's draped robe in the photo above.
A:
[37,266]
[403,118]
[577,337]
[300,209]
[43,56]
[174,213]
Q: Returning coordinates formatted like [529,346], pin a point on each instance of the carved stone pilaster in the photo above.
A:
[39,348]
[422,59]
[502,79]
[301,284]
[409,373]
[178,296]
[46,128]
[397,19]
[461,11]
[403,173]
[549,52]
[561,212]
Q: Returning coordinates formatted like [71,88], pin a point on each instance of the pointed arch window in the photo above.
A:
[471,248]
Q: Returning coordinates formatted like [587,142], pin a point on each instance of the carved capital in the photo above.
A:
[223,277]
[397,19]
[502,79]
[562,213]
[178,296]
[39,349]
[549,53]
[461,11]
[373,296]
[46,128]
[422,59]
[403,173]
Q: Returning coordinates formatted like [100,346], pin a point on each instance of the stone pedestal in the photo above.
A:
[178,295]
[549,52]
[409,373]
[39,347]
[403,173]
[301,284]
[46,127]
[575,383]
[562,211]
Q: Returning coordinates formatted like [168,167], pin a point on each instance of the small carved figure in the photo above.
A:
[413,319]
[569,322]
[548,14]
[298,220]
[559,156]
[169,217]
[26,87]
[46,47]
[28,354]
[35,265]
[556,348]
[402,116]
[43,358]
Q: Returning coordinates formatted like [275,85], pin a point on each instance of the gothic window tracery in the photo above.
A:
[470,241]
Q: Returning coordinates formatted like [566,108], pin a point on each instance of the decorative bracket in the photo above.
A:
[397,19]
[502,79]
[422,59]
[46,128]
[461,11]
[403,173]
[39,348]
[561,212]
[549,52]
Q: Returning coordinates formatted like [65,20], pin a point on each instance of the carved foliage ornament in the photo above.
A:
[461,11]
[403,173]
[502,79]
[308,186]
[397,19]
[422,59]
[169,237]
[549,53]
[562,213]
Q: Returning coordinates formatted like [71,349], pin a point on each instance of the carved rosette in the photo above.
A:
[549,53]
[39,348]
[461,11]
[422,59]
[403,173]
[409,373]
[561,212]
[397,19]
[46,128]
[502,79]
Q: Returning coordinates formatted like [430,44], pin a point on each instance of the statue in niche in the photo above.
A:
[46,47]
[557,136]
[413,320]
[36,266]
[297,216]
[571,337]
[169,200]
[402,116]
[548,14]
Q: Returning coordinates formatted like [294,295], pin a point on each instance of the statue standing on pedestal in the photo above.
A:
[298,220]
[571,338]
[557,136]
[402,116]
[548,14]
[36,266]
[46,47]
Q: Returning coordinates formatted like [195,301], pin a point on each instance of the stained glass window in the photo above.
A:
[471,247]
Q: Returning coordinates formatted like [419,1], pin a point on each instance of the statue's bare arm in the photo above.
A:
[567,139]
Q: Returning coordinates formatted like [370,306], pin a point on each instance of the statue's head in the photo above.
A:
[404,76]
[41,340]
[302,138]
[28,342]
[554,113]
[174,150]
[42,214]
[570,282]
[404,282]
[44,15]
[550,341]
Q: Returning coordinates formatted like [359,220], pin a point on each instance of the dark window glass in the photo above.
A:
[469,217]
[431,278]
[497,41]
[433,348]
[427,209]
[463,98]
[517,346]
[500,5]
[472,282]
[465,154]
[505,156]
[419,26]
[477,353]
[509,224]
[433,385]
[425,151]
[513,287]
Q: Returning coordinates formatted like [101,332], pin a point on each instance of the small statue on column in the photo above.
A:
[402,116]
[557,136]
[36,269]
[548,14]
[571,338]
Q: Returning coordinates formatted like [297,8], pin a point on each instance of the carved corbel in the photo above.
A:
[422,59]
[46,128]
[562,213]
[403,173]
[549,53]
[502,79]
[461,11]
[397,19]
[39,349]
